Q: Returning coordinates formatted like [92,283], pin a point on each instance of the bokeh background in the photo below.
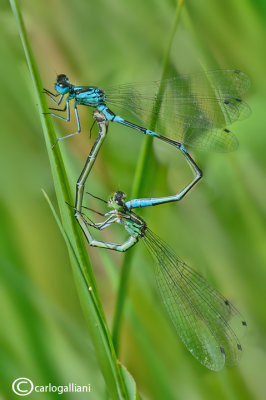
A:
[219,228]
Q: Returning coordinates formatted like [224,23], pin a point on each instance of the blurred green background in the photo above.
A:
[219,228]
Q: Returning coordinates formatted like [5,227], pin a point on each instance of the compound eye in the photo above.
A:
[61,78]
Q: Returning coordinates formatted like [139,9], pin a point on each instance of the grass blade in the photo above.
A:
[138,182]
[83,273]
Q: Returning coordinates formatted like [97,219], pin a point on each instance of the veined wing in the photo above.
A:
[202,317]
[206,101]
[218,140]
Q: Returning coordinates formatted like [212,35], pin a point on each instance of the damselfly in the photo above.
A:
[190,109]
[202,317]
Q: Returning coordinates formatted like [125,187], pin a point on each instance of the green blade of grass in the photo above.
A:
[138,182]
[87,297]
[83,273]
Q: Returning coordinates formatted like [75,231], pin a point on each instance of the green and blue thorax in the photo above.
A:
[134,225]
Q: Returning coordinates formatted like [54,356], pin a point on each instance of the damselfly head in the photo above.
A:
[117,201]
[62,84]
[62,78]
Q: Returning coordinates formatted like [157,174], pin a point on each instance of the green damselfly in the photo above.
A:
[201,316]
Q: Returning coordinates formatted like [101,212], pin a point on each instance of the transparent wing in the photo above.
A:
[202,317]
[219,140]
[205,101]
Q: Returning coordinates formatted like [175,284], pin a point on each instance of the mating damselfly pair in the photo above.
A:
[193,110]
